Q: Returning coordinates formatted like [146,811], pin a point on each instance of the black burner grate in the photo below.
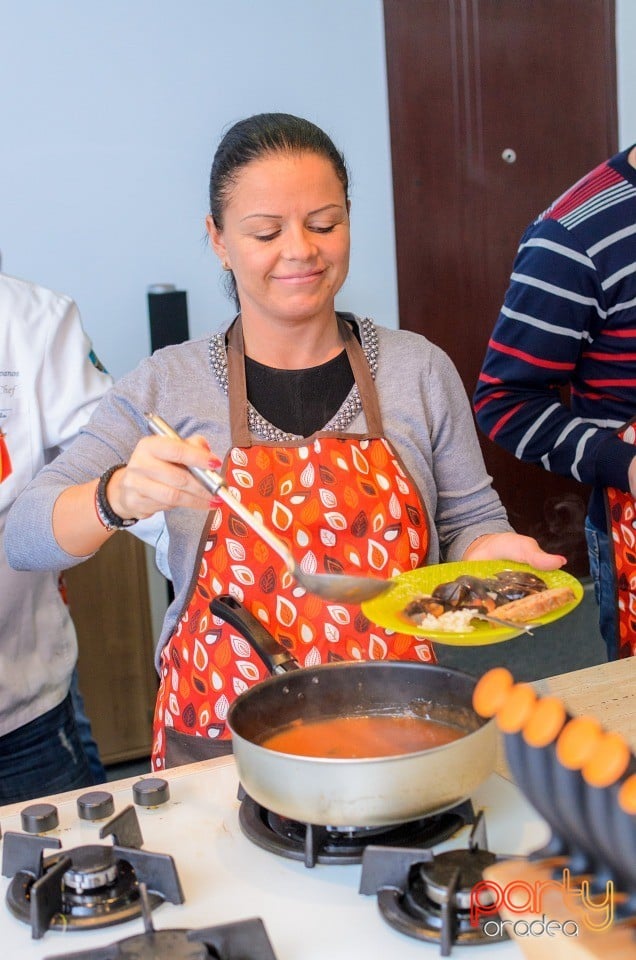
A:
[325,845]
[426,895]
[85,887]
[242,940]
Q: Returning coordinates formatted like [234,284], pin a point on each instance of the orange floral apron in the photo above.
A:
[343,503]
[621,519]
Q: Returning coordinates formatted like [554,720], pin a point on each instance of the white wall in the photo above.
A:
[626,69]
[110,113]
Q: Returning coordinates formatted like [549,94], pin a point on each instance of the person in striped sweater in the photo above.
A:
[569,320]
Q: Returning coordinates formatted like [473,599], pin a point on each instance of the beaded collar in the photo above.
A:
[217,353]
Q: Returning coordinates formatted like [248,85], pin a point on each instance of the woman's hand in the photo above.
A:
[513,546]
[157,477]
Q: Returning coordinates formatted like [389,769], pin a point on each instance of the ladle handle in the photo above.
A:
[217,486]
[275,657]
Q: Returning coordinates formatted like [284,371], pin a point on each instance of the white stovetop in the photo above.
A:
[309,914]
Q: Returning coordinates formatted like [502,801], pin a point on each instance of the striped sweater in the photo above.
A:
[569,321]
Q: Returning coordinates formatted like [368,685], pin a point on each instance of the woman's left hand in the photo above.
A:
[513,546]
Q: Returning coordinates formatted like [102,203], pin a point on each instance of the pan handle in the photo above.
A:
[275,657]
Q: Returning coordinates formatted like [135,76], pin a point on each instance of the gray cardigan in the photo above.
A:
[425,412]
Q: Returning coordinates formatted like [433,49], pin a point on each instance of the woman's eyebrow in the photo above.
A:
[278,216]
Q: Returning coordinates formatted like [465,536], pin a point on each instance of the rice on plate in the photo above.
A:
[453,621]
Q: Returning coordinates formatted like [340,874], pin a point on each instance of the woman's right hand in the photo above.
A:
[157,477]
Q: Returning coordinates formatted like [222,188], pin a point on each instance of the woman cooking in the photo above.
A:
[353,442]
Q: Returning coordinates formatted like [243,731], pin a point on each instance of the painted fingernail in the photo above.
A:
[214,462]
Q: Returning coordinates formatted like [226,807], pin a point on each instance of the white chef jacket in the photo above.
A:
[50,382]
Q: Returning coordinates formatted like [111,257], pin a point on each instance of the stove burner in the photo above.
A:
[92,867]
[426,895]
[89,886]
[330,845]
[436,877]
[243,940]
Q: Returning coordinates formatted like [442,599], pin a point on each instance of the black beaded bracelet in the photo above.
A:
[107,516]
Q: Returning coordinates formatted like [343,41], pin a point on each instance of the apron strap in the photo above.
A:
[363,379]
[237,385]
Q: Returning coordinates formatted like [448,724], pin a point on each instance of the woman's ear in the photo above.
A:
[216,239]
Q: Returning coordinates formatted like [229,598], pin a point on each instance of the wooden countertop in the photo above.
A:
[606,691]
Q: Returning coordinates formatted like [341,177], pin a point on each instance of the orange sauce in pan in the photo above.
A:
[355,737]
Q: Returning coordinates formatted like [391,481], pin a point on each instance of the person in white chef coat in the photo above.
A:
[50,382]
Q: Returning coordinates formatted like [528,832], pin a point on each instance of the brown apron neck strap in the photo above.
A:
[363,379]
[237,386]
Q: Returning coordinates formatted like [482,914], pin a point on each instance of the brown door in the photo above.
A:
[109,604]
[496,106]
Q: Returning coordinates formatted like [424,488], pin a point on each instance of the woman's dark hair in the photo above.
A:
[256,137]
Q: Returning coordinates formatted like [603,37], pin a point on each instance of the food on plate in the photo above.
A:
[515,595]
[449,621]
[535,605]
[514,584]
[481,593]
[360,736]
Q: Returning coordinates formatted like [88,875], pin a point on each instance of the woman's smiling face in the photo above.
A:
[285,236]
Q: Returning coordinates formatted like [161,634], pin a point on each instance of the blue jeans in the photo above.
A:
[602,571]
[44,756]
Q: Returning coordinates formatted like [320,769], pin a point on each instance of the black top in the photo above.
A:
[299,401]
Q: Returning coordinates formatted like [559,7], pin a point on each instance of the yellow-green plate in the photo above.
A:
[387,609]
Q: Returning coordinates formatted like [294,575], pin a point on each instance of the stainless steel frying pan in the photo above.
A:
[357,792]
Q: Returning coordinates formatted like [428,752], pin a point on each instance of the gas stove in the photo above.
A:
[226,878]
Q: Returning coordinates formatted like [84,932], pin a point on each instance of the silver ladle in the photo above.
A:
[344,589]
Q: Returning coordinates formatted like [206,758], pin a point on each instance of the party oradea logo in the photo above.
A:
[524,904]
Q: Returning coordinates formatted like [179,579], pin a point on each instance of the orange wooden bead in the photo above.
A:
[545,722]
[516,709]
[608,762]
[491,691]
[627,795]
[577,741]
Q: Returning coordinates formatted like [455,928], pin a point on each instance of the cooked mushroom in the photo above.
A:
[509,585]
[466,592]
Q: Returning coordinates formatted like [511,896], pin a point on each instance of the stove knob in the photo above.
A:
[39,817]
[96,805]
[151,792]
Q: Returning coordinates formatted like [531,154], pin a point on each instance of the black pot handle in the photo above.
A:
[275,657]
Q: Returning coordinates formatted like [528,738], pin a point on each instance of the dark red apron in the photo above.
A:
[344,504]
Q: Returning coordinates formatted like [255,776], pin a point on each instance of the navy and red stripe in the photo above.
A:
[569,319]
